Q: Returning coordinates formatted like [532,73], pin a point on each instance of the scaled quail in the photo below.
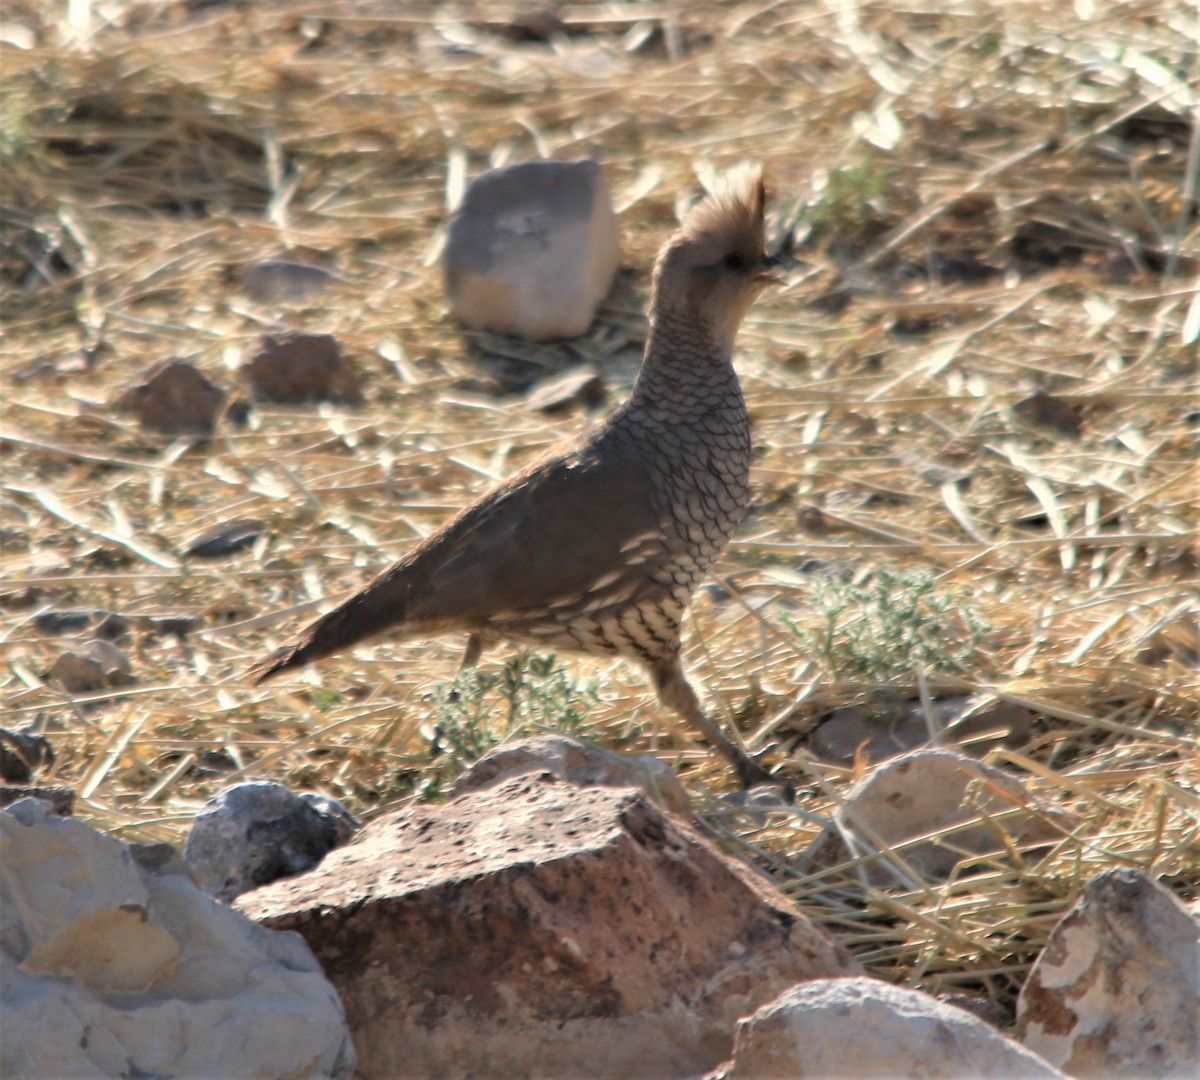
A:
[599,548]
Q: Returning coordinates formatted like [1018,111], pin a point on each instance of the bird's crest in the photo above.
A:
[732,210]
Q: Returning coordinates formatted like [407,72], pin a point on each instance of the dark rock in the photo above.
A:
[224,540]
[1046,410]
[22,754]
[174,398]
[21,599]
[61,799]
[295,368]
[106,625]
[255,833]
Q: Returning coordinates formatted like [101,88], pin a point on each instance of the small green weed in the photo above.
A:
[889,625]
[479,709]
[854,199]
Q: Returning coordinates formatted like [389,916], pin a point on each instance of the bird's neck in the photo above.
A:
[683,355]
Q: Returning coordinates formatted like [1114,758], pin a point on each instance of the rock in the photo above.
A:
[61,800]
[522,929]
[295,368]
[533,250]
[877,731]
[96,665]
[577,762]
[222,540]
[928,791]
[174,398]
[22,754]
[578,386]
[114,964]
[536,24]
[1047,410]
[868,1028]
[1116,991]
[272,280]
[255,833]
[99,624]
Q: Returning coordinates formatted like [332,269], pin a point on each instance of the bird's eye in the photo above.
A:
[734,262]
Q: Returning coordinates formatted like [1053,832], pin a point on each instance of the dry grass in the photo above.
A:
[982,201]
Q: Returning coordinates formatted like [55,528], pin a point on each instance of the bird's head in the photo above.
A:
[716,265]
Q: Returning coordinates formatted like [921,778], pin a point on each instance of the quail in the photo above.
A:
[598,549]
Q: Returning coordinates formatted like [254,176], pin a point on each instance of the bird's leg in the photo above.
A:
[676,693]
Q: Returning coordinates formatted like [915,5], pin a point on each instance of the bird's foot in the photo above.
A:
[753,773]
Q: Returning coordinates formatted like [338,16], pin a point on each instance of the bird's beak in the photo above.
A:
[771,272]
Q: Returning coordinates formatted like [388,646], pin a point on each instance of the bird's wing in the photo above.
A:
[546,537]
[551,533]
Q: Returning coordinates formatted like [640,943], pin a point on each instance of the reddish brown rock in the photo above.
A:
[173,398]
[295,368]
[1047,410]
[96,665]
[536,928]
[578,762]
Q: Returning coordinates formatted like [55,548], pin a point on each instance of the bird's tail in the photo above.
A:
[365,614]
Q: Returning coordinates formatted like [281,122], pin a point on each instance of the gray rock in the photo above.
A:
[129,970]
[924,792]
[859,1027]
[273,280]
[255,833]
[533,250]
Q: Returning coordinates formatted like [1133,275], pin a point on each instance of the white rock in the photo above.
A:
[254,833]
[1116,991]
[113,964]
[533,250]
[927,791]
[859,1027]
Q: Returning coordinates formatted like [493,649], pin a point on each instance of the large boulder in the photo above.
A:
[533,250]
[1116,991]
[863,1028]
[537,928]
[113,964]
